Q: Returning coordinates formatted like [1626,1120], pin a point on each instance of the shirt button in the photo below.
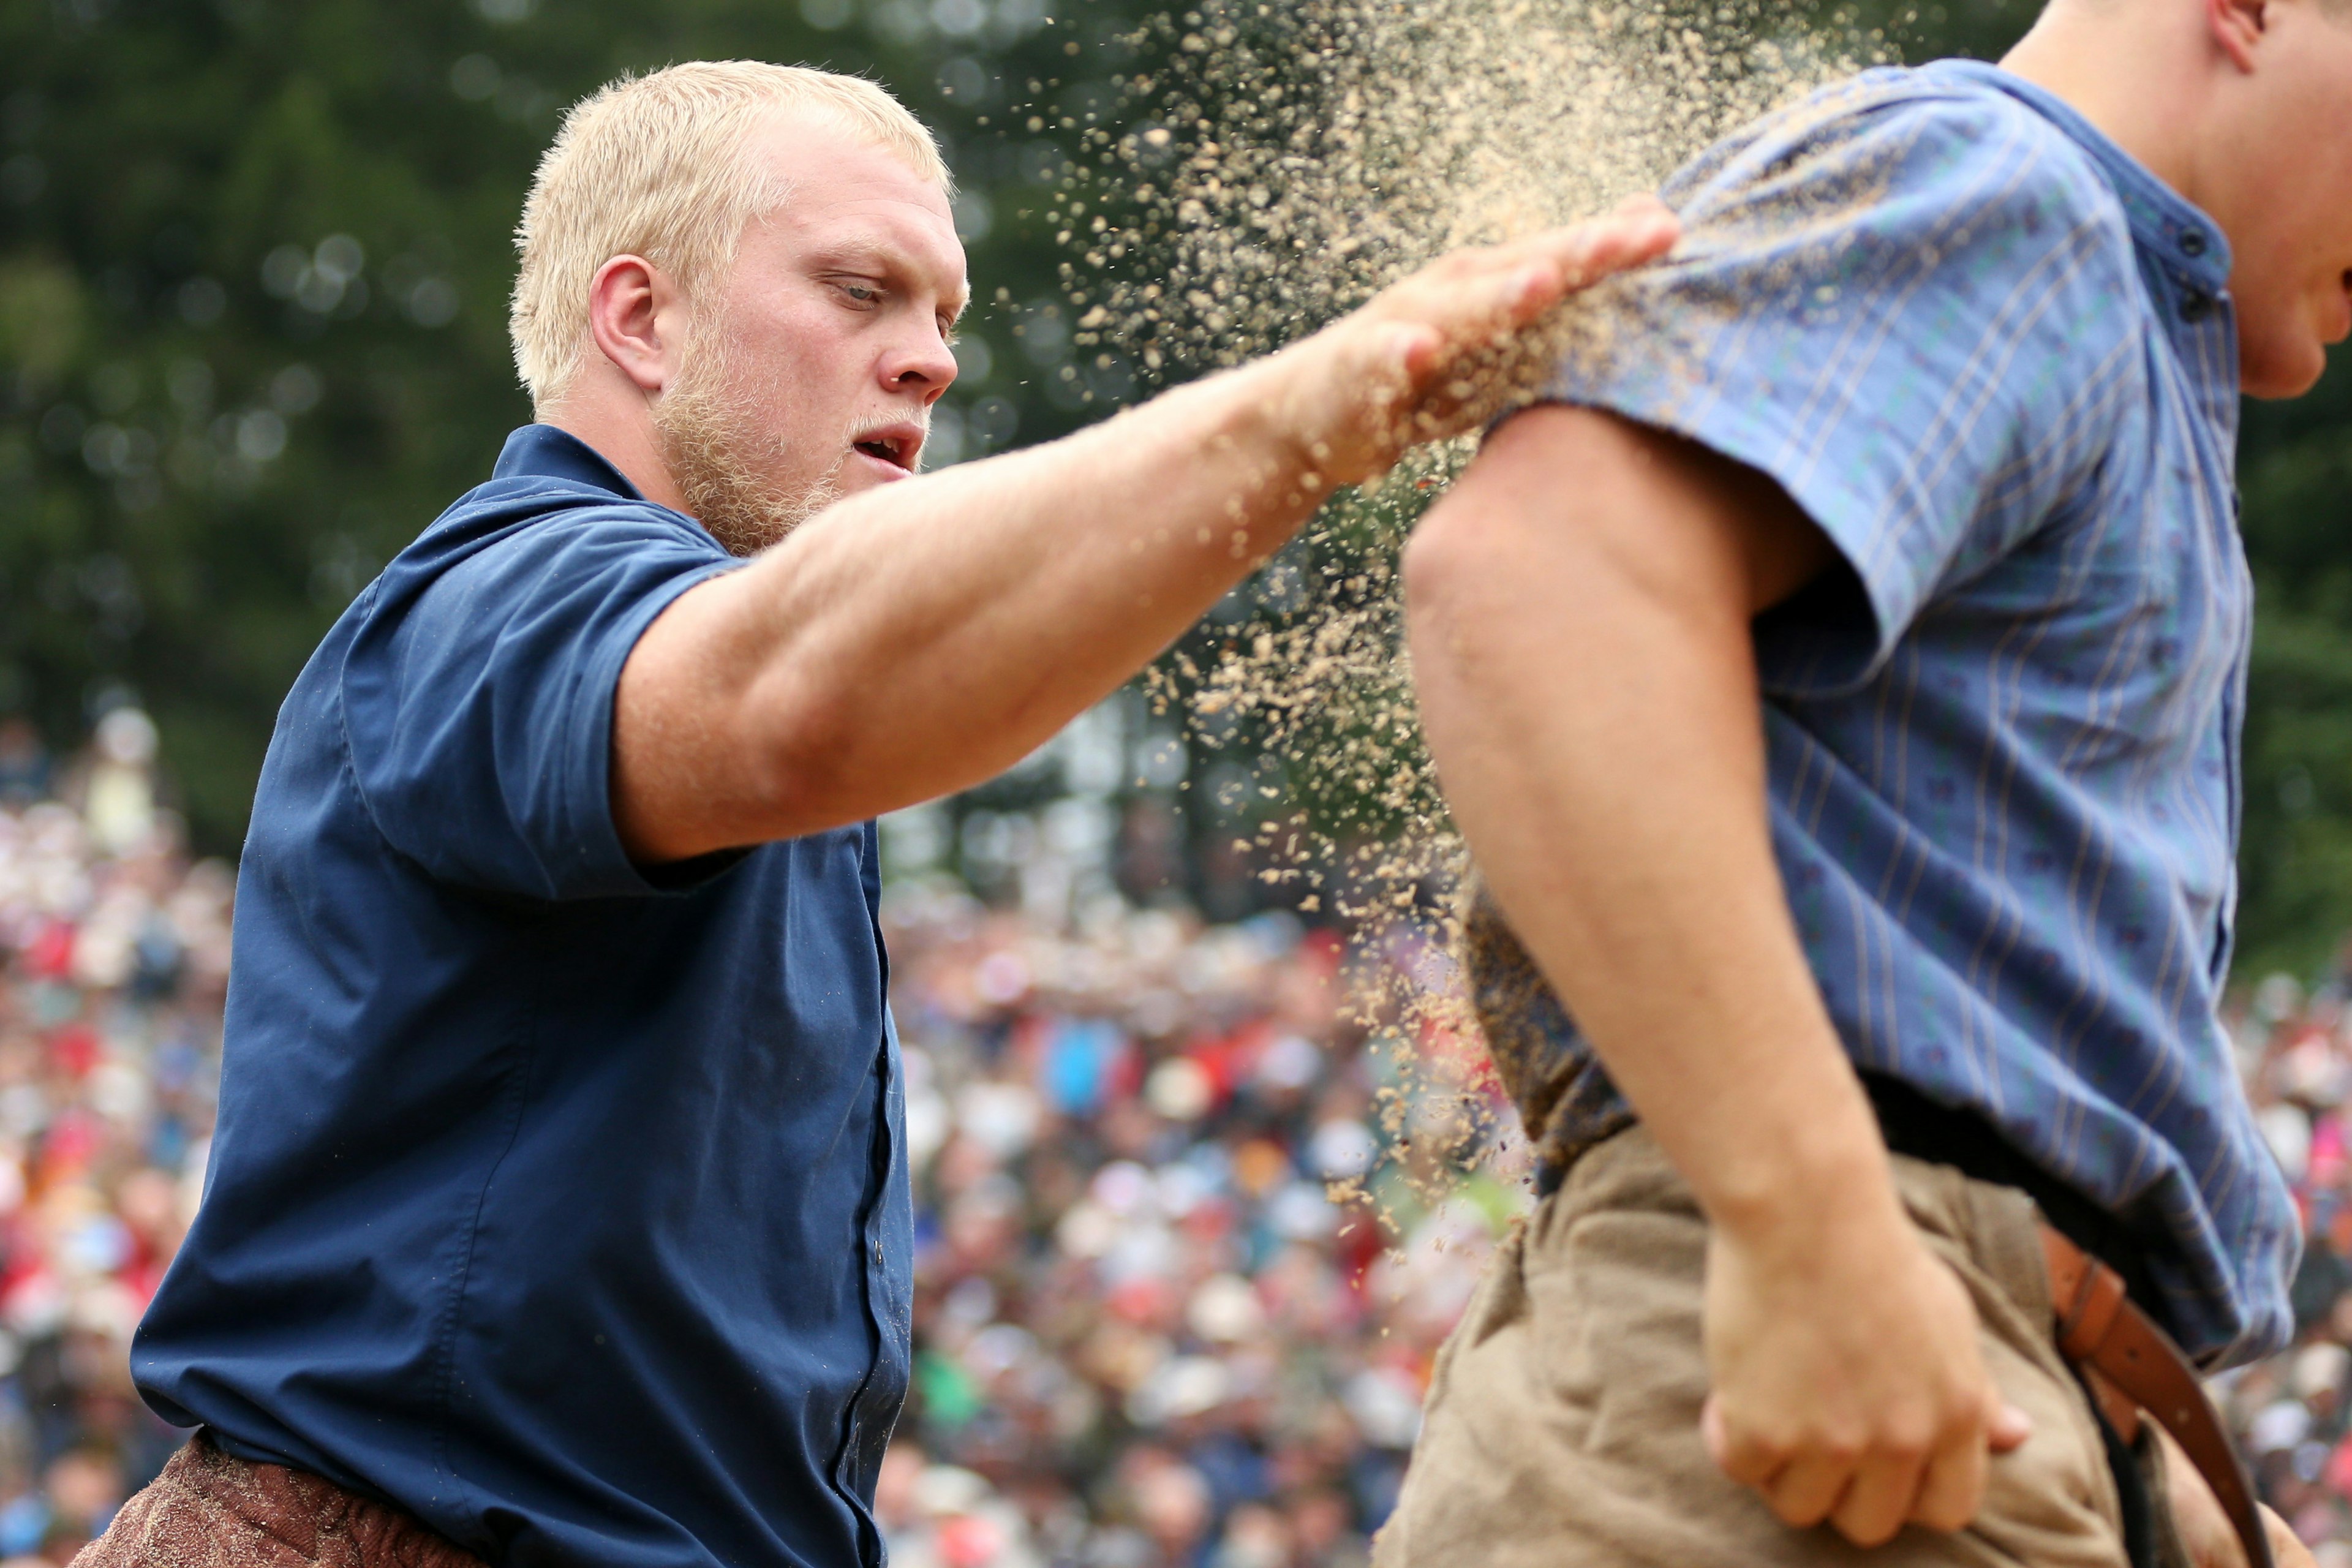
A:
[2192,243]
[2195,308]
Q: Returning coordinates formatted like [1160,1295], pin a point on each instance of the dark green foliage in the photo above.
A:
[2295,471]
[210,436]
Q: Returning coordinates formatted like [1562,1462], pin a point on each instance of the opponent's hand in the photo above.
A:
[1414,363]
[1848,1385]
[2205,1530]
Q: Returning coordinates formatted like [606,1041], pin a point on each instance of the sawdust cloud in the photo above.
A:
[1278,163]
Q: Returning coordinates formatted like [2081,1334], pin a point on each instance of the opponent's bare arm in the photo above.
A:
[924,636]
[1587,680]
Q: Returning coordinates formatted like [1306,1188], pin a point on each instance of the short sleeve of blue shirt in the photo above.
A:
[478,689]
[1881,300]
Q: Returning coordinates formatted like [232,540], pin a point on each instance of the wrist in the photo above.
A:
[1267,418]
[1240,443]
[1812,1185]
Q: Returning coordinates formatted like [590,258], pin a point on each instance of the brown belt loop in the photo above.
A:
[2127,1354]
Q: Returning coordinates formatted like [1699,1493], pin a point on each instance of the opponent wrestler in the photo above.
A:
[1852,753]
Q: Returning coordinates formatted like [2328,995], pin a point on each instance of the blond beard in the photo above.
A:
[721,448]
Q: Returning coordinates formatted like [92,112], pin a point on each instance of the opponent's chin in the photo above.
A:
[2282,359]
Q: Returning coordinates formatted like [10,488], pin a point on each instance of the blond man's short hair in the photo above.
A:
[656,166]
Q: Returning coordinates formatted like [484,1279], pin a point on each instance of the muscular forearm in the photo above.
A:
[924,636]
[971,614]
[1589,690]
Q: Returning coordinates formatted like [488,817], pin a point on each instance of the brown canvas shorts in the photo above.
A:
[1562,1424]
[211,1510]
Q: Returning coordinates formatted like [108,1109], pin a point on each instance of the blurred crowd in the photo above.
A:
[2295,1049]
[1189,1233]
[113,957]
[1195,1203]
[1147,1335]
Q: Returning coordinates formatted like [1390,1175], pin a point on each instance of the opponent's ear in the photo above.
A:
[2237,27]
[635,317]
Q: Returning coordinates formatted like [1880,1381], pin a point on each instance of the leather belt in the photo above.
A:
[2133,1366]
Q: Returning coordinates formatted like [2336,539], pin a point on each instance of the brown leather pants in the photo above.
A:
[211,1510]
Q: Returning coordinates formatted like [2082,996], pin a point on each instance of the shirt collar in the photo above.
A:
[543,451]
[2186,243]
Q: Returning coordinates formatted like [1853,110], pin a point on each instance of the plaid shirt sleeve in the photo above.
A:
[1913,314]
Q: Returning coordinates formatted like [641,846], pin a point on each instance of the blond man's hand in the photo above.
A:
[1417,362]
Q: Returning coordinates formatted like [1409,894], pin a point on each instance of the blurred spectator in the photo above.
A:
[24,764]
[118,793]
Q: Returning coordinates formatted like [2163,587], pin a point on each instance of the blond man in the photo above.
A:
[559,1210]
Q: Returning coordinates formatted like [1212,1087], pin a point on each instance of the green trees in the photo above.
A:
[2295,858]
[253,257]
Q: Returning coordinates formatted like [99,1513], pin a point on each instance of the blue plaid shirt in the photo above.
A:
[1994,358]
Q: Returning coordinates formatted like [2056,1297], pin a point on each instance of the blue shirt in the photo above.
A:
[564,1207]
[1994,358]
